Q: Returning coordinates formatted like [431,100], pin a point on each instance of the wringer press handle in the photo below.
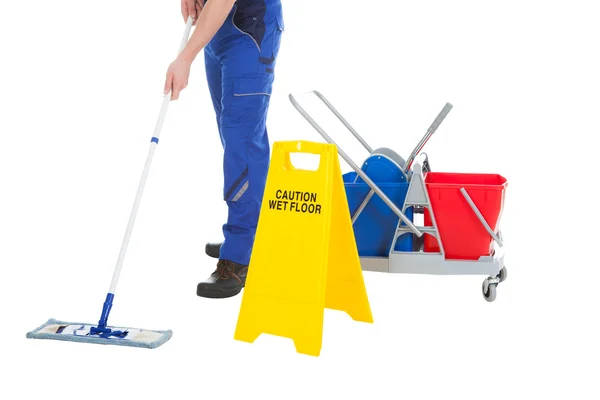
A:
[436,123]
[364,176]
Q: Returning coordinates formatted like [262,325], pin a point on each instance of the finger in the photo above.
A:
[182,86]
[184,10]
[168,83]
[192,8]
[198,9]
[175,93]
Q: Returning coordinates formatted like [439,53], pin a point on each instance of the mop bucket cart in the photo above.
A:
[460,234]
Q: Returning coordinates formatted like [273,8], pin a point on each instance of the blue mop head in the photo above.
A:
[78,332]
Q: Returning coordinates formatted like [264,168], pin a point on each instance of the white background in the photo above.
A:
[81,89]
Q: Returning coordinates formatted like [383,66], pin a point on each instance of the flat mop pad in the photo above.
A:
[79,332]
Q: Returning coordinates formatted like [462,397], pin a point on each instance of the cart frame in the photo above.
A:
[417,197]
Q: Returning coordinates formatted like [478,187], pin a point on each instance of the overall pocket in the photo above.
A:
[252,86]
[271,43]
[251,23]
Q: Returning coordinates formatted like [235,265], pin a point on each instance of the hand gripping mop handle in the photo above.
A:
[154,141]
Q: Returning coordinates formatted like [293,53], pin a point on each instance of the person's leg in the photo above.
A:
[248,61]
[248,76]
[213,76]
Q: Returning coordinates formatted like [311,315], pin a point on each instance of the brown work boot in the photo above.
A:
[228,280]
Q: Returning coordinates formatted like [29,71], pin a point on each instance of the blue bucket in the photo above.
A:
[375,227]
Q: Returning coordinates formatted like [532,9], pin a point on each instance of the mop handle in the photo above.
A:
[153,143]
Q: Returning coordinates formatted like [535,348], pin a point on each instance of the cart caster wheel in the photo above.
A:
[490,295]
[502,275]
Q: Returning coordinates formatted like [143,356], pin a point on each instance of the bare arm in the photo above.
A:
[210,19]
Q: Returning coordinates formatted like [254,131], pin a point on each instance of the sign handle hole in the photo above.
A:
[305,161]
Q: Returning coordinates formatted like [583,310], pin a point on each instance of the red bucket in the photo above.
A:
[462,234]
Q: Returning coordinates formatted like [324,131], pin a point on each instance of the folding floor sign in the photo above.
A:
[305,257]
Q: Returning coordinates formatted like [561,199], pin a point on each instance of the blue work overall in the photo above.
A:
[240,62]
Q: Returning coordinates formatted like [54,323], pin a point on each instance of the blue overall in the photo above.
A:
[240,62]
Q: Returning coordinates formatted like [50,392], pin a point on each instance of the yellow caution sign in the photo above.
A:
[304,257]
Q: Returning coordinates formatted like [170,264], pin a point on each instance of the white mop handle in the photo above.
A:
[153,143]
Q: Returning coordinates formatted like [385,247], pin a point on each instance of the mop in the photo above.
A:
[102,333]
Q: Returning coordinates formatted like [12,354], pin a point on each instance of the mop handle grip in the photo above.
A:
[186,34]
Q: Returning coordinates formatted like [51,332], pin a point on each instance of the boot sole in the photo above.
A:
[219,294]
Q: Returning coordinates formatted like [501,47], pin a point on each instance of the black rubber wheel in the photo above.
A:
[503,274]
[490,295]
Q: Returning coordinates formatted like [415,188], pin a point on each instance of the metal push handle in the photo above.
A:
[364,176]
[436,123]
[342,120]
[481,219]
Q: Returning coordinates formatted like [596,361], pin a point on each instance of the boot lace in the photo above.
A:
[224,268]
